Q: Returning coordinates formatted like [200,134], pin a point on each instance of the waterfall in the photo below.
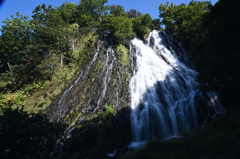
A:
[164,94]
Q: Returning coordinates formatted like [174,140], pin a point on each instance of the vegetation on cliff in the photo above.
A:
[40,57]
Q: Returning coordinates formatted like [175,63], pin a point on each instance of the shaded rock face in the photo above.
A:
[99,136]
[95,105]
[103,81]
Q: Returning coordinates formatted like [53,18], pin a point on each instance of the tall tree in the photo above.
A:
[91,11]
[119,27]
[16,34]
[69,12]
[17,56]
[116,10]
[133,13]
[31,49]
[142,25]
[156,24]
[184,21]
[54,33]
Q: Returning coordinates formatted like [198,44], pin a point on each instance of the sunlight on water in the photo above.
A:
[164,90]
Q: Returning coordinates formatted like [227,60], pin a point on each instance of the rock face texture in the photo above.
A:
[97,103]
[102,82]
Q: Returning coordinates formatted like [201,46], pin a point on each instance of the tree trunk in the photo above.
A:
[72,43]
[10,68]
[61,60]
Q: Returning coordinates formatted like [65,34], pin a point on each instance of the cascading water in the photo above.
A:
[164,94]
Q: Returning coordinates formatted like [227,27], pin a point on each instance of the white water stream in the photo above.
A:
[164,92]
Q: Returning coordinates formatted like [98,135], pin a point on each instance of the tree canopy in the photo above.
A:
[142,25]
[119,27]
[184,21]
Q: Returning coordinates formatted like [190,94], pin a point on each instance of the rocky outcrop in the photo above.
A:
[97,101]
[103,81]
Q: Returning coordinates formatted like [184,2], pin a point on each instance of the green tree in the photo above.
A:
[40,13]
[32,50]
[91,12]
[18,59]
[54,34]
[142,26]
[116,10]
[184,21]
[156,24]
[69,12]
[119,27]
[133,13]
[16,34]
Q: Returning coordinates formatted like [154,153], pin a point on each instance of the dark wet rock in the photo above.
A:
[102,81]
[152,42]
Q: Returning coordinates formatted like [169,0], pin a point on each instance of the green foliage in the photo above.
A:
[184,21]
[87,21]
[119,27]
[91,11]
[133,13]
[55,33]
[30,89]
[36,96]
[32,50]
[106,114]
[142,26]
[156,24]
[109,109]
[123,55]
[26,135]
[116,10]
[13,100]
[69,12]
[16,34]
[94,8]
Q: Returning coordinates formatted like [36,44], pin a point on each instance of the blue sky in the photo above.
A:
[25,7]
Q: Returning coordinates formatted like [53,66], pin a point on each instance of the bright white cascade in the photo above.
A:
[164,91]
